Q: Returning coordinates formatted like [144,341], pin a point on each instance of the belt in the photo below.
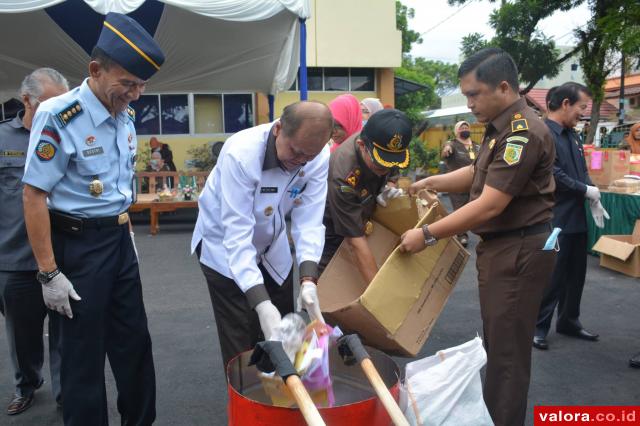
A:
[520,232]
[76,225]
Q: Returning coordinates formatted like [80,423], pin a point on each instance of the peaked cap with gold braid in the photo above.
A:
[387,135]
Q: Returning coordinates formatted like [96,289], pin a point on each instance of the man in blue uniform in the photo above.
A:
[78,187]
[20,295]
[567,103]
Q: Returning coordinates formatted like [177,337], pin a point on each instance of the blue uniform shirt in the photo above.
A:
[15,251]
[74,140]
[572,177]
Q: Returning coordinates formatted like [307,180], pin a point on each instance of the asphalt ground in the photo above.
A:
[191,388]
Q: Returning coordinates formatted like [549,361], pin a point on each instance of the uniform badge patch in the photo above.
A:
[521,139]
[519,125]
[517,116]
[132,113]
[353,177]
[512,153]
[90,140]
[12,153]
[45,150]
[51,132]
[364,193]
[346,189]
[268,211]
[98,150]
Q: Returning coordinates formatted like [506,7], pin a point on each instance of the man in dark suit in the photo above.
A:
[566,104]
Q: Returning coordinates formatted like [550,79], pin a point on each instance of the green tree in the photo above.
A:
[515,24]
[403,14]
[614,29]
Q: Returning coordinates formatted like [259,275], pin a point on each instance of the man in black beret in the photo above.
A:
[78,188]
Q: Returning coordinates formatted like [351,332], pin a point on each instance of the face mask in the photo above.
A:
[154,163]
[552,241]
[465,134]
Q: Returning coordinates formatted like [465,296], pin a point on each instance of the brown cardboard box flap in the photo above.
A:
[400,214]
[408,273]
[618,246]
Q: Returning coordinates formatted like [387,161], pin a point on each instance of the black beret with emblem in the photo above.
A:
[387,135]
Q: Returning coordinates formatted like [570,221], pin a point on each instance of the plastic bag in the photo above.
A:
[445,389]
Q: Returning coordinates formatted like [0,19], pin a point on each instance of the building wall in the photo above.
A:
[353,33]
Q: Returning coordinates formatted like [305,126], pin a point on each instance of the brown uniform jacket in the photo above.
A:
[351,196]
[516,157]
[461,156]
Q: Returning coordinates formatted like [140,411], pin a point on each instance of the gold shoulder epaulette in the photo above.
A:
[69,113]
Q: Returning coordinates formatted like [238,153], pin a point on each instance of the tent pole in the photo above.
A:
[270,98]
[303,60]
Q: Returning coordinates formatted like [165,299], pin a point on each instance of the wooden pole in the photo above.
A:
[306,405]
[397,417]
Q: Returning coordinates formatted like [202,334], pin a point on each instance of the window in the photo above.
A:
[175,114]
[336,79]
[147,115]
[314,79]
[238,112]
[362,79]
[208,113]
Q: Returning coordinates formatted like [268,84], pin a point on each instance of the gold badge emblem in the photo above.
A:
[364,193]
[395,144]
[96,187]
[472,154]
[268,211]
[90,140]
[519,125]
[517,116]
[492,143]
[368,228]
[512,154]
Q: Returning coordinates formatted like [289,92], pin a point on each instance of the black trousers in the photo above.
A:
[566,287]
[24,311]
[238,325]
[512,275]
[109,320]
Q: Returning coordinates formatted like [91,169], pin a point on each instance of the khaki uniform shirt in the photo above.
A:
[517,157]
[351,196]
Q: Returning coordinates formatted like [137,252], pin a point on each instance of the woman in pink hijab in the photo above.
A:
[347,116]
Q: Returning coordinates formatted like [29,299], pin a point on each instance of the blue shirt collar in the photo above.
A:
[99,114]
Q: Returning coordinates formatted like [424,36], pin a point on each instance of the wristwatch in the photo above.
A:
[429,239]
[44,277]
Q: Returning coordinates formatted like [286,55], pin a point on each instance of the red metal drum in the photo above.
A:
[356,401]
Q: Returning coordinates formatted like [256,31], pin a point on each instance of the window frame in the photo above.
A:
[296,82]
[191,108]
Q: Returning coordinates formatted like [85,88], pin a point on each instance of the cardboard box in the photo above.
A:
[621,252]
[605,166]
[398,309]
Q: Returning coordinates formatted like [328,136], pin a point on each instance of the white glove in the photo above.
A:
[593,193]
[269,317]
[133,241]
[599,213]
[388,193]
[56,294]
[308,299]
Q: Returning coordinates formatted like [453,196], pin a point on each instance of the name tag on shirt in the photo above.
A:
[269,190]
[93,151]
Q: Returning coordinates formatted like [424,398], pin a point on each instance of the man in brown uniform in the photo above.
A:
[511,186]
[358,172]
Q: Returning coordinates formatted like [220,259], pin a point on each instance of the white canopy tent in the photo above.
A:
[245,45]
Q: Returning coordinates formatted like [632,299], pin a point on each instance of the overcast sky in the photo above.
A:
[443,42]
